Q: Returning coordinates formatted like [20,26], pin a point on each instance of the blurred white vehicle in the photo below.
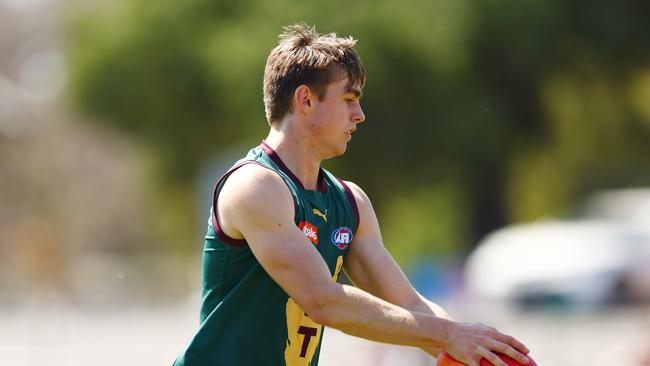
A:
[602,258]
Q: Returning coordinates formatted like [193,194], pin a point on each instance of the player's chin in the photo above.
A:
[342,149]
[338,151]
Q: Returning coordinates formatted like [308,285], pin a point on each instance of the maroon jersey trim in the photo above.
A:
[353,202]
[322,185]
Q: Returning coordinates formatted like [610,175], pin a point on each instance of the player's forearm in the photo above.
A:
[425,306]
[361,314]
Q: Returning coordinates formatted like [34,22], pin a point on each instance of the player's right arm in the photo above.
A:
[256,204]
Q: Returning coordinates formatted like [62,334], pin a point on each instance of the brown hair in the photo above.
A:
[304,57]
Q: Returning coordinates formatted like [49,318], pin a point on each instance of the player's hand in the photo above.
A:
[468,343]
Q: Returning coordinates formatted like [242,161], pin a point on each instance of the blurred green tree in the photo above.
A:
[479,113]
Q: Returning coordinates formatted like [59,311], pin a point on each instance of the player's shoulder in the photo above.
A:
[359,195]
[251,172]
[254,184]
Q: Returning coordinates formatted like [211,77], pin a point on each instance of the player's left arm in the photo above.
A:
[371,267]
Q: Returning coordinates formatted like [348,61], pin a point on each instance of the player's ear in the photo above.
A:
[302,98]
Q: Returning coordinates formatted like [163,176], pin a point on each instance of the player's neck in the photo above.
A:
[296,153]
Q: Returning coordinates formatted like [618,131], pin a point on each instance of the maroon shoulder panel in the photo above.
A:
[353,202]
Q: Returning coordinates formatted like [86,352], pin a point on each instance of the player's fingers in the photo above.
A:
[507,350]
[488,355]
[512,341]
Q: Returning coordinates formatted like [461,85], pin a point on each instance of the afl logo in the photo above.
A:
[342,237]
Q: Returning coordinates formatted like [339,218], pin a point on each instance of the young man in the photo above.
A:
[282,229]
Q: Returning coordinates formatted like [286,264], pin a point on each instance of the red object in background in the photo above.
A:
[446,360]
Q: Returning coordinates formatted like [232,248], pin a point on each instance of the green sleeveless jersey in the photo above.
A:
[247,319]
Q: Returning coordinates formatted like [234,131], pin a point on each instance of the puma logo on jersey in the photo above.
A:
[318,213]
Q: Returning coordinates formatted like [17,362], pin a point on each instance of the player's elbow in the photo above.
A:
[319,311]
[319,315]
[330,317]
[322,308]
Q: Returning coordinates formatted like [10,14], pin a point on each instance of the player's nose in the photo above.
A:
[358,116]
